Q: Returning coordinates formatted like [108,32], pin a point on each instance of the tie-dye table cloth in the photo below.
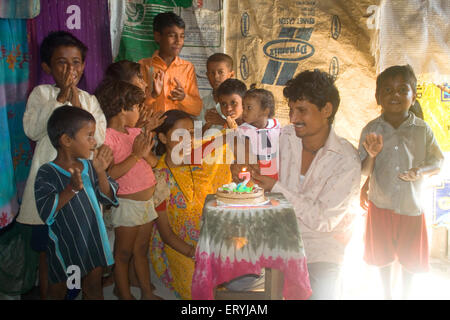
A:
[235,241]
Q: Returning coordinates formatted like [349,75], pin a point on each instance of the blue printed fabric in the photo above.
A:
[15,148]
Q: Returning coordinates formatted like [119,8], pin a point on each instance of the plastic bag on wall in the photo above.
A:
[272,41]
[436,110]
[415,32]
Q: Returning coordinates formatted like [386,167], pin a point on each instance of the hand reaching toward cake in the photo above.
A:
[264,182]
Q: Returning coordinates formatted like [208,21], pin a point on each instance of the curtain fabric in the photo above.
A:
[15,149]
[89,22]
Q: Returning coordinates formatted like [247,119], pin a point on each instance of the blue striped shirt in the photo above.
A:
[77,232]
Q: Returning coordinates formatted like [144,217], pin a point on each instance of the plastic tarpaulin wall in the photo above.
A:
[436,111]
[136,39]
[204,32]
[415,32]
[272,41]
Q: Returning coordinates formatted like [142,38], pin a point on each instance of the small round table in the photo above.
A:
[239,240]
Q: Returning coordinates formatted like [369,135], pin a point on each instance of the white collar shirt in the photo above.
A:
[322,201]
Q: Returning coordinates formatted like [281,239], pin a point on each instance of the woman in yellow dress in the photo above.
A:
[182,189]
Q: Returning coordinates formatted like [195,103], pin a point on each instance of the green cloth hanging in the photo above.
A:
[137,40]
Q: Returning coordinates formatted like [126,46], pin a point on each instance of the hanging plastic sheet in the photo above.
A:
[435,104]
[272,41]
[436,108]
[204,32]
[415,32]
[137,40]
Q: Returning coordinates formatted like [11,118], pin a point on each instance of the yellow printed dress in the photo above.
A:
[189,185]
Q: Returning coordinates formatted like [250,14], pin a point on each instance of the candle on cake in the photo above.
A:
[244,174]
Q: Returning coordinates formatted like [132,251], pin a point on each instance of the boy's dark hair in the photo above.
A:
[265,97]
[232,86]
[68,120]
[115,96]
[123,70]
[406,72]
[57,39]
[172,116]
[316,87]
[220,57]
[167,19]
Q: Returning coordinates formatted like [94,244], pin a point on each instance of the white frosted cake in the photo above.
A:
[228,194]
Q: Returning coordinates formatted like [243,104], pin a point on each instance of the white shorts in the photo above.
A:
[131,213]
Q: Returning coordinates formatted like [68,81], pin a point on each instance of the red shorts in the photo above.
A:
[390,235]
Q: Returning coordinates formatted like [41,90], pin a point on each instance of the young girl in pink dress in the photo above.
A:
[132,169]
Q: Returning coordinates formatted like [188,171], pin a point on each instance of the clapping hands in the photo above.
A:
[143,144]
[103,157]
[154,120]
[411,175]
[213,117]
[177,94]
[158,83]
[373,144]
[75,179]
[69,91]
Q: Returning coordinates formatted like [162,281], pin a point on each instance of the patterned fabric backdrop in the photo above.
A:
[137,41]
[15,150]
[89,22]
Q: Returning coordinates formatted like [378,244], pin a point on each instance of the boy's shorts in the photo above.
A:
[39,237]
[131,213]
[390,235]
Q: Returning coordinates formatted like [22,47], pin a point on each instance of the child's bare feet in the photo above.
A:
[107,281]
[151,296]
[134,282]
[117,294]
[132,276]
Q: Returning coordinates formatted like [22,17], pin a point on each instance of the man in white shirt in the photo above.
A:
[319,174]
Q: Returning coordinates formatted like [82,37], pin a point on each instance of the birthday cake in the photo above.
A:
[234,195]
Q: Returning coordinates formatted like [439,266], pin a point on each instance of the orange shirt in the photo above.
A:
[185,73]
